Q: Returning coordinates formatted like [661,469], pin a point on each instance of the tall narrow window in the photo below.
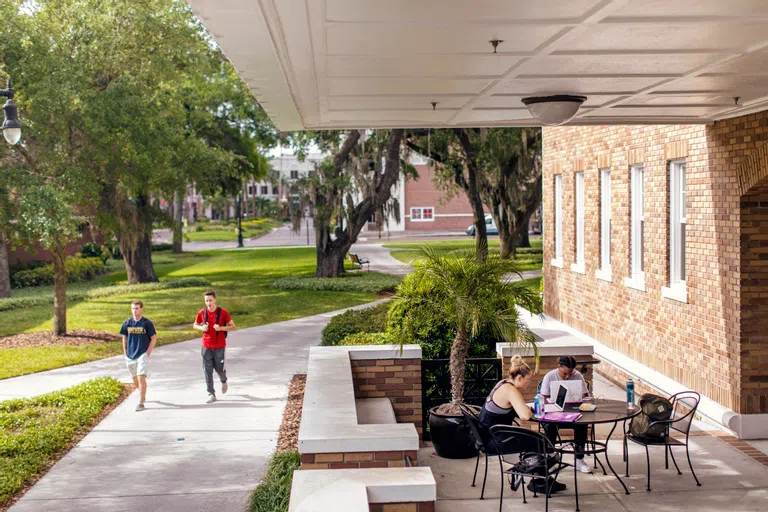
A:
[677,194]
[637,279]
[558,261]
[578,266]
[605,225]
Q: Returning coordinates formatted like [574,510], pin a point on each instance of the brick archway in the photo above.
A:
[753,170]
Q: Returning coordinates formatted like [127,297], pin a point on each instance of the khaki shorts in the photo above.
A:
[137,366]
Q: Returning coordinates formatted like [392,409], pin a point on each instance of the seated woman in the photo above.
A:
[505,403]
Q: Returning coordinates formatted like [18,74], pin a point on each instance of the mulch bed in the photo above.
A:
[288,439]
[47,338]
[127,390]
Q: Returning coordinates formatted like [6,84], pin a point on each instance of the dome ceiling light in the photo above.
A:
[554,110]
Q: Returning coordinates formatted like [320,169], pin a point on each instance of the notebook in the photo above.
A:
[561,417]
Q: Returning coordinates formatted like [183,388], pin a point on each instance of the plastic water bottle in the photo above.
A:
[630,393]
[538,406]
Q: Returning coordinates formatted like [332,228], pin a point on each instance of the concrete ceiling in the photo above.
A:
[380,63]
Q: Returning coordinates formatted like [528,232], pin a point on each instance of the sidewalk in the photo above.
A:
[180,453]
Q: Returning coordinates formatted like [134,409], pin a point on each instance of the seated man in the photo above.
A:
[567,371]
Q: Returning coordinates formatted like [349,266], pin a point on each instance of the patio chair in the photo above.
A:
[525,443]
[471,415]
[684,405]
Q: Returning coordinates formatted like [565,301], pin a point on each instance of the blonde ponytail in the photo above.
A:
[518,366]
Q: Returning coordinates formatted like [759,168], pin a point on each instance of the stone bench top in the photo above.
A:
[552,340]
[352,490]
[375,411]
[329,422]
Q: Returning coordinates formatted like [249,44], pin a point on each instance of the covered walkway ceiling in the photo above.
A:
[380,63]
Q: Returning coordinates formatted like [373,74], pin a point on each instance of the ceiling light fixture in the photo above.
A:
[434,105]
[554,110]
[495,43]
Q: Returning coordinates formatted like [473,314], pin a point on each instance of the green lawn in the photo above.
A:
[242,280]
[529,258]
[226,232]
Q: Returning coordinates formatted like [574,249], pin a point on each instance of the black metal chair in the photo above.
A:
[508,441]
[684,405]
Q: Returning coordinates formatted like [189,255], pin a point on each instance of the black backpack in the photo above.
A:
[654,408]
[218,315]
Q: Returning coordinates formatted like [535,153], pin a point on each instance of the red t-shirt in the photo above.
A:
[211,338]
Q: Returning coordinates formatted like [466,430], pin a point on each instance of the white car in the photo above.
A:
[490,227]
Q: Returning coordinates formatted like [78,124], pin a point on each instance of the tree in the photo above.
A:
[347,188]
[457,157]
[471,294]
[510,181]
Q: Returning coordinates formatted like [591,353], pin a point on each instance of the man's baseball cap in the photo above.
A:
[567,361]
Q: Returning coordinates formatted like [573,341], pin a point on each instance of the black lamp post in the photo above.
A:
[239,220]
[11,123]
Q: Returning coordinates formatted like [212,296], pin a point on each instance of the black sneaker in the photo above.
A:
[541,487]
[514,482]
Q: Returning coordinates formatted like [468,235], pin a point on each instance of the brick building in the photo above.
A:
[654,246]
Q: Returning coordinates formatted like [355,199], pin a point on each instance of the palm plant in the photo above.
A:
[471,295]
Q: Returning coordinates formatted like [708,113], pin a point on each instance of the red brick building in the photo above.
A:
[656,245]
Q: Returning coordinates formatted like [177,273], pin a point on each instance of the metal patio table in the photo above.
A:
[607,411]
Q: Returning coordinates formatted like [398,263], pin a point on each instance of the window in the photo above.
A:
[250,190]
[604,272]
[637,211]
[311,174]
[294,174]
[558,261]
[677,195]
[275,191]
[264,190]
[578,266]
[423,214]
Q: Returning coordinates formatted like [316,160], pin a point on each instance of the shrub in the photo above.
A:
[364,282]
[78,269]
[162,247]
[33,431]
[369,338]
[355,321]
[420,321]
[273,493]
[91,250]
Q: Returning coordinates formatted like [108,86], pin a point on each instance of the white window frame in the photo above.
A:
[604,272]
[557,261]
[578,265]
[677,289]
[637,224]
[420,216]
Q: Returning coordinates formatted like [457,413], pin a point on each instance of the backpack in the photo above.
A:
[654,408]
[218,315]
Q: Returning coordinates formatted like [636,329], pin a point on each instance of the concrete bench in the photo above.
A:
[375,411]
[354,490]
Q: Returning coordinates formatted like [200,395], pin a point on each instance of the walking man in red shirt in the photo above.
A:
[215,323]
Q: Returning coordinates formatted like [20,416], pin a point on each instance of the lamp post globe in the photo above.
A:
[11,124]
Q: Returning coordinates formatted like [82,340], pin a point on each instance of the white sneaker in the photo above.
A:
[211,399]
[583,466]
[224,387]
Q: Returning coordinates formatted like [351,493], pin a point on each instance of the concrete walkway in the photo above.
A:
[180,453]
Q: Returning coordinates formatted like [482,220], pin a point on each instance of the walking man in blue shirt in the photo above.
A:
[139,338]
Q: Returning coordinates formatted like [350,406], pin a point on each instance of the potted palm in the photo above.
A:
[471,294]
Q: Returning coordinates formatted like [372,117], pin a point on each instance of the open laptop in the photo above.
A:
[574,390]
[559,405]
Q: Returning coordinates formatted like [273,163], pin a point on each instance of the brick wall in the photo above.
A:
[425,193]
[426,506]
[699,343]
[357,460]
[396,379]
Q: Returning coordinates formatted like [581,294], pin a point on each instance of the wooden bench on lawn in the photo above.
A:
[356,259]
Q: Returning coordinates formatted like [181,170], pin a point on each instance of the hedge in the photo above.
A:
[355,321]
[364,282]
[369,338]
[78,269]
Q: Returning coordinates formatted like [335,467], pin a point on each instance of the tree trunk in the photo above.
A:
[330,262]
[525,241]
[473,193]
[178,221]
[59,255]
[5,271]
[459,355]
[508,244]
[138,260]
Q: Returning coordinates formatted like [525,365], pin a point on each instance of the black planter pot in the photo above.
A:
[450,436]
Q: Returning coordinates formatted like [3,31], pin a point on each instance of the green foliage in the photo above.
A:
[106,291]
[355,321]
[78,269]
[92,250]
[162,247]
[274,492]
[369,338]
[33,431]
[367,282]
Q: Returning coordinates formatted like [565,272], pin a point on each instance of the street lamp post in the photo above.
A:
[11,123]
[239,220]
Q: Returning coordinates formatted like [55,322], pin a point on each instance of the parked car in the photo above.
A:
[490,227]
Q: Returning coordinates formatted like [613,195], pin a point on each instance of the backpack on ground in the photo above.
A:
[218,315]
[654,408]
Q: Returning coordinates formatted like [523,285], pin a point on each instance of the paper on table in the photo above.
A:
[561,417]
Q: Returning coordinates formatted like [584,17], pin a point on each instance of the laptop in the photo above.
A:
[559,405]
[574,390]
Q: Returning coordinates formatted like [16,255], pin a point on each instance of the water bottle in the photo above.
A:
[538,406]
[630,393]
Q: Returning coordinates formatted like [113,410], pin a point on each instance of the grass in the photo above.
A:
[243,283]
[528,258]
[35,431]
[274,491]
[225,232]
[532,284]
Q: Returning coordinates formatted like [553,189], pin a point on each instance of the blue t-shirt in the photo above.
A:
[139,333]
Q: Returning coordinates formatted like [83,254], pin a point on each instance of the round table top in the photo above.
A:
[608,411]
